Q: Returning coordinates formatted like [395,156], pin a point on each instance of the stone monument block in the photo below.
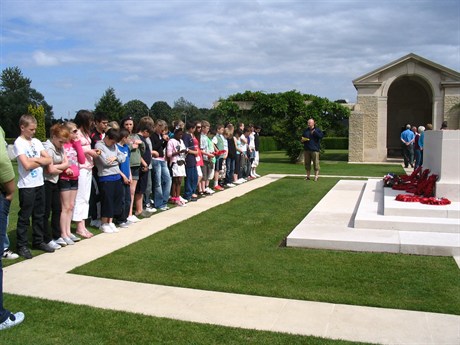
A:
[441,154]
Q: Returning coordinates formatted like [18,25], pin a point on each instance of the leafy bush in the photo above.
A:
[267,144]
[335,143]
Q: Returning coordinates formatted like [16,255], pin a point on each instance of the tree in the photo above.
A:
[228,112]
[185,110]
[136,109]
[39,113]
[161,110]
[16,94]
[110,104]
[285,115]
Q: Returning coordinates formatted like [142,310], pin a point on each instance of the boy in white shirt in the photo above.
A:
[31,157]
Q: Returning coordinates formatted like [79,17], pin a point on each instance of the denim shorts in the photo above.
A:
[135,173]
[65,185]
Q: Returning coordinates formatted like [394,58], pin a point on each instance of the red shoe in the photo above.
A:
[219,188]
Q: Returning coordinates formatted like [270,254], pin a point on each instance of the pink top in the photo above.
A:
[86,145]
[199,156]
[76,156]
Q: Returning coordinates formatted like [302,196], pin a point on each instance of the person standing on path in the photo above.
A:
[311,139]
[7,186]
[407,139]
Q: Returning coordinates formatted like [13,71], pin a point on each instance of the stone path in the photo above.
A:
[46,276]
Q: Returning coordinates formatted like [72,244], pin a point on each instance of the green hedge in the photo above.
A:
[267,144]
[339,143]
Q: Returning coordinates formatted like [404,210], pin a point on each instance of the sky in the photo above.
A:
[74,50]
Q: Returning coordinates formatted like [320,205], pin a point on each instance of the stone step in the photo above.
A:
[379,211]
[393,207]
[330,226]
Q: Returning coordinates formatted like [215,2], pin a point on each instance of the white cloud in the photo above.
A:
[43,59]
[187,46]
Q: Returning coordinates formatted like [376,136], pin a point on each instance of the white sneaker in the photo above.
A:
[164,208]
[61,242]
[106,228]
[242,180]
[146,214]
[113,227]
[237,182]
[54,245]
[96,223]
[124,224]
[68,241]
[183,200]
[256,175]
[150,209]
[74,238]
[209,191]
[133,219]
[12,320]
[9,255]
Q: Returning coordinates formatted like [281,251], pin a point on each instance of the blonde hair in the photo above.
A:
[27,120]
[114,125]
[70,125]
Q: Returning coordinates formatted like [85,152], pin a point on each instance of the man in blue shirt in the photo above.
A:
[407,139]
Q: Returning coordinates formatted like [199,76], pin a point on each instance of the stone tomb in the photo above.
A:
[363,216]
[442,157]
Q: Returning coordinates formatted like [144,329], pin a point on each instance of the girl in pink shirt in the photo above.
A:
[68,182]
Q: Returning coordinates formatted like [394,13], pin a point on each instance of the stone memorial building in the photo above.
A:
[411,90]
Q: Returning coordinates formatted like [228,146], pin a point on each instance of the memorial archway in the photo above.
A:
[410,100]
[411,90]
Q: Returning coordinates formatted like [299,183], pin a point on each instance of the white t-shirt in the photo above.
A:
[29,178]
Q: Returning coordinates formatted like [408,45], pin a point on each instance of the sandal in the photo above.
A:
[85,233]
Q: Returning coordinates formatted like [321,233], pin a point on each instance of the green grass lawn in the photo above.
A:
[332,162]
[229,248]
[235,248]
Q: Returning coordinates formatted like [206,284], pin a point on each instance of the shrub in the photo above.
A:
[338,143]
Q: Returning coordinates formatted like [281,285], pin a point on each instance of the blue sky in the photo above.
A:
[73,50]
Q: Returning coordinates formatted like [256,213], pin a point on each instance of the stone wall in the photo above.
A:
[452,111]
[356,137]
[363,128]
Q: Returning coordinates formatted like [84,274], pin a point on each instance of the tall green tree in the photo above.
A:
[161,110]
[16,94]
[136,109]
[285,115]
[227,112]
[110,104]
[185,110]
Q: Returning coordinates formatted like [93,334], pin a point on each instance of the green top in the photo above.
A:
[135,158]
[6,168]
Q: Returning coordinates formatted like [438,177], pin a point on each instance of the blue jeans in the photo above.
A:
[230,163]
[191,182]
[418,158]
[4,210]
[161,183]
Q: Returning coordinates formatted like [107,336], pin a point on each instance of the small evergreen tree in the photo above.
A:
[110,104]
[39,113]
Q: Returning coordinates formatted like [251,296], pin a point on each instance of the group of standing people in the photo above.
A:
[117,173]
[413,142]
